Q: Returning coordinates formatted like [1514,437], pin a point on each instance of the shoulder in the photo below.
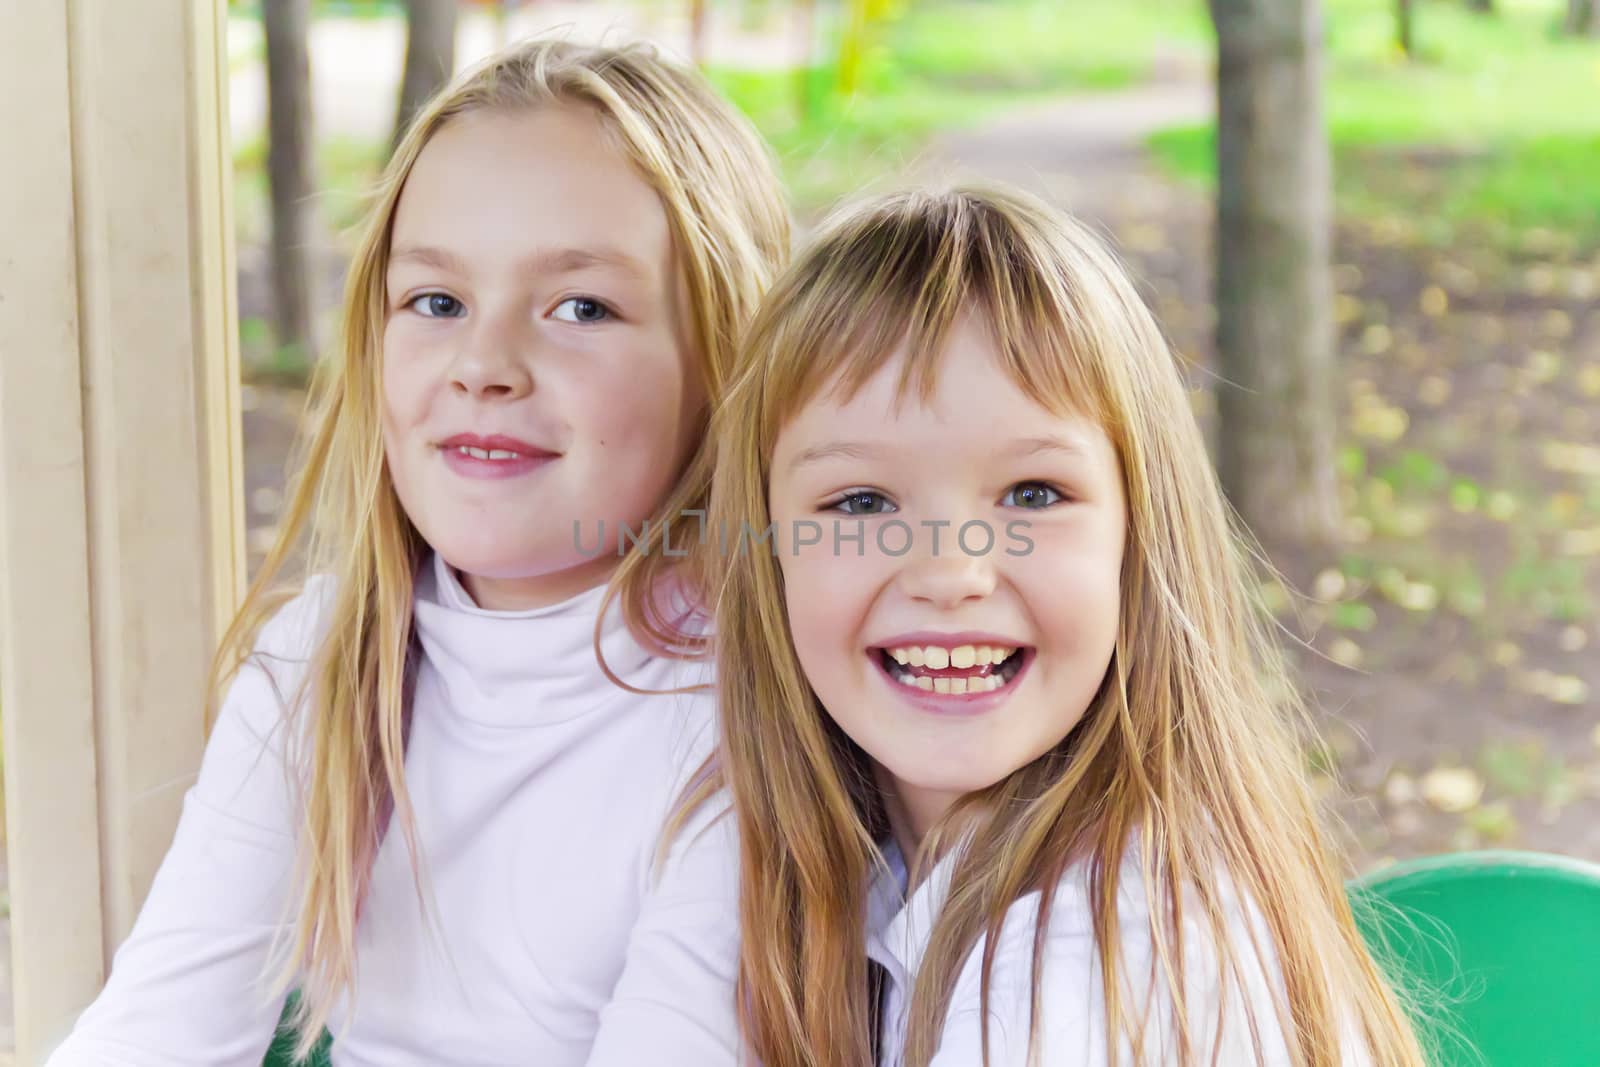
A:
[1237,1005]
[293,631]
[256,707]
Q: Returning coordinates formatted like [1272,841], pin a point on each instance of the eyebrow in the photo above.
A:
[1033,446]
[427,256]
[553,261]
[1023,447]
[833,450]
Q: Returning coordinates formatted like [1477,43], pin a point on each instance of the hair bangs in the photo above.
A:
[892,280]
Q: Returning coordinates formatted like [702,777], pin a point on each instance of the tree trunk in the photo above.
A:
[289,171]
[1583,18]
[698,27]
[430,57]
[1482,7]
[1275,338]
[1404,19]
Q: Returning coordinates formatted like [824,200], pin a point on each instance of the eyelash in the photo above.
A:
[839,502]
[855,494]
[1060,497]
[412,304]
[609,312]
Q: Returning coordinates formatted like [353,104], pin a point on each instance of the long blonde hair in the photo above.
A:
[1188,754]
[730,227]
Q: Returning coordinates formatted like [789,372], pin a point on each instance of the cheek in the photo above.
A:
[1072,582]
[633,410]
[829,598]
[815,617]
[403,386]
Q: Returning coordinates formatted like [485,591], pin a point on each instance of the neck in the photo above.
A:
[913,811]
[535,591]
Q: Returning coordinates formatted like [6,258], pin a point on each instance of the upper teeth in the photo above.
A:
[939,657]
[485,453]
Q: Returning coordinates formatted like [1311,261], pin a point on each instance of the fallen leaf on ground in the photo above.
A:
[1452,789]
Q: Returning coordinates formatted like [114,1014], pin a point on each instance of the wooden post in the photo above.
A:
[121,519]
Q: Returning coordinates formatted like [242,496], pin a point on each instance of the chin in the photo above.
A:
[957,779]
[490,560]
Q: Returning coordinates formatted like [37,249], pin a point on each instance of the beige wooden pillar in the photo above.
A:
[121,548]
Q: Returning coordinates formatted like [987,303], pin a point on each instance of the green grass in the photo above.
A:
[1034,46]
[947,63]
[843,144]
[1491,129]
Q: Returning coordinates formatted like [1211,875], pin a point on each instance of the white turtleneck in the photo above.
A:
[1072,1023]
[540,791]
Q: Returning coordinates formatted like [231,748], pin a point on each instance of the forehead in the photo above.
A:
[975,405]
[502,184]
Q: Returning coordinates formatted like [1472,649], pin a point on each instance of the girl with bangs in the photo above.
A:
[1016,778]
[445,775]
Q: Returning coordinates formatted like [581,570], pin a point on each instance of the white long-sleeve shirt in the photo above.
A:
[540,791]
[1072,1023]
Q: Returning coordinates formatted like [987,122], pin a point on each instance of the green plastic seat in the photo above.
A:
[1510,944]
[281,1052]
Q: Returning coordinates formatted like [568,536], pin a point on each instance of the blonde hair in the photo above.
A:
[730,228]
[1187,755]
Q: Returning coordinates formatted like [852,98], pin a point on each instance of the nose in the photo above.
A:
[494,361]
[948,576]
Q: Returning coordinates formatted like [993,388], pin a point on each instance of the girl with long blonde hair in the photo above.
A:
[436,797]
[1014,765]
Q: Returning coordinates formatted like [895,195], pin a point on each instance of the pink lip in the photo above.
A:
[526,458]
[961,704]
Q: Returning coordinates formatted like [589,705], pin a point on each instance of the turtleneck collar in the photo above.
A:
[522,668]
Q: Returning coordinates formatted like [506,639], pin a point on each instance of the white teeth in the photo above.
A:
[987,683]
[500,453]
[485,453]
[961,657]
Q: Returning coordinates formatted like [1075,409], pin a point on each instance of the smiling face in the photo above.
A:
[536,370]
[952,664]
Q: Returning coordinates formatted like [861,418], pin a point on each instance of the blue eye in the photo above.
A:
[863,502]
[1031,495]
[583,309]
[437,306]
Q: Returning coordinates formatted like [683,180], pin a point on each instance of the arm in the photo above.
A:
[188,987]
[674,1004]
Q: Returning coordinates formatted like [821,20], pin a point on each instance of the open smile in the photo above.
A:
[969,676]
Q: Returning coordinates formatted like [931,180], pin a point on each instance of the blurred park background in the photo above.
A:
[1444,597]
[1451,620]
[1418,439]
